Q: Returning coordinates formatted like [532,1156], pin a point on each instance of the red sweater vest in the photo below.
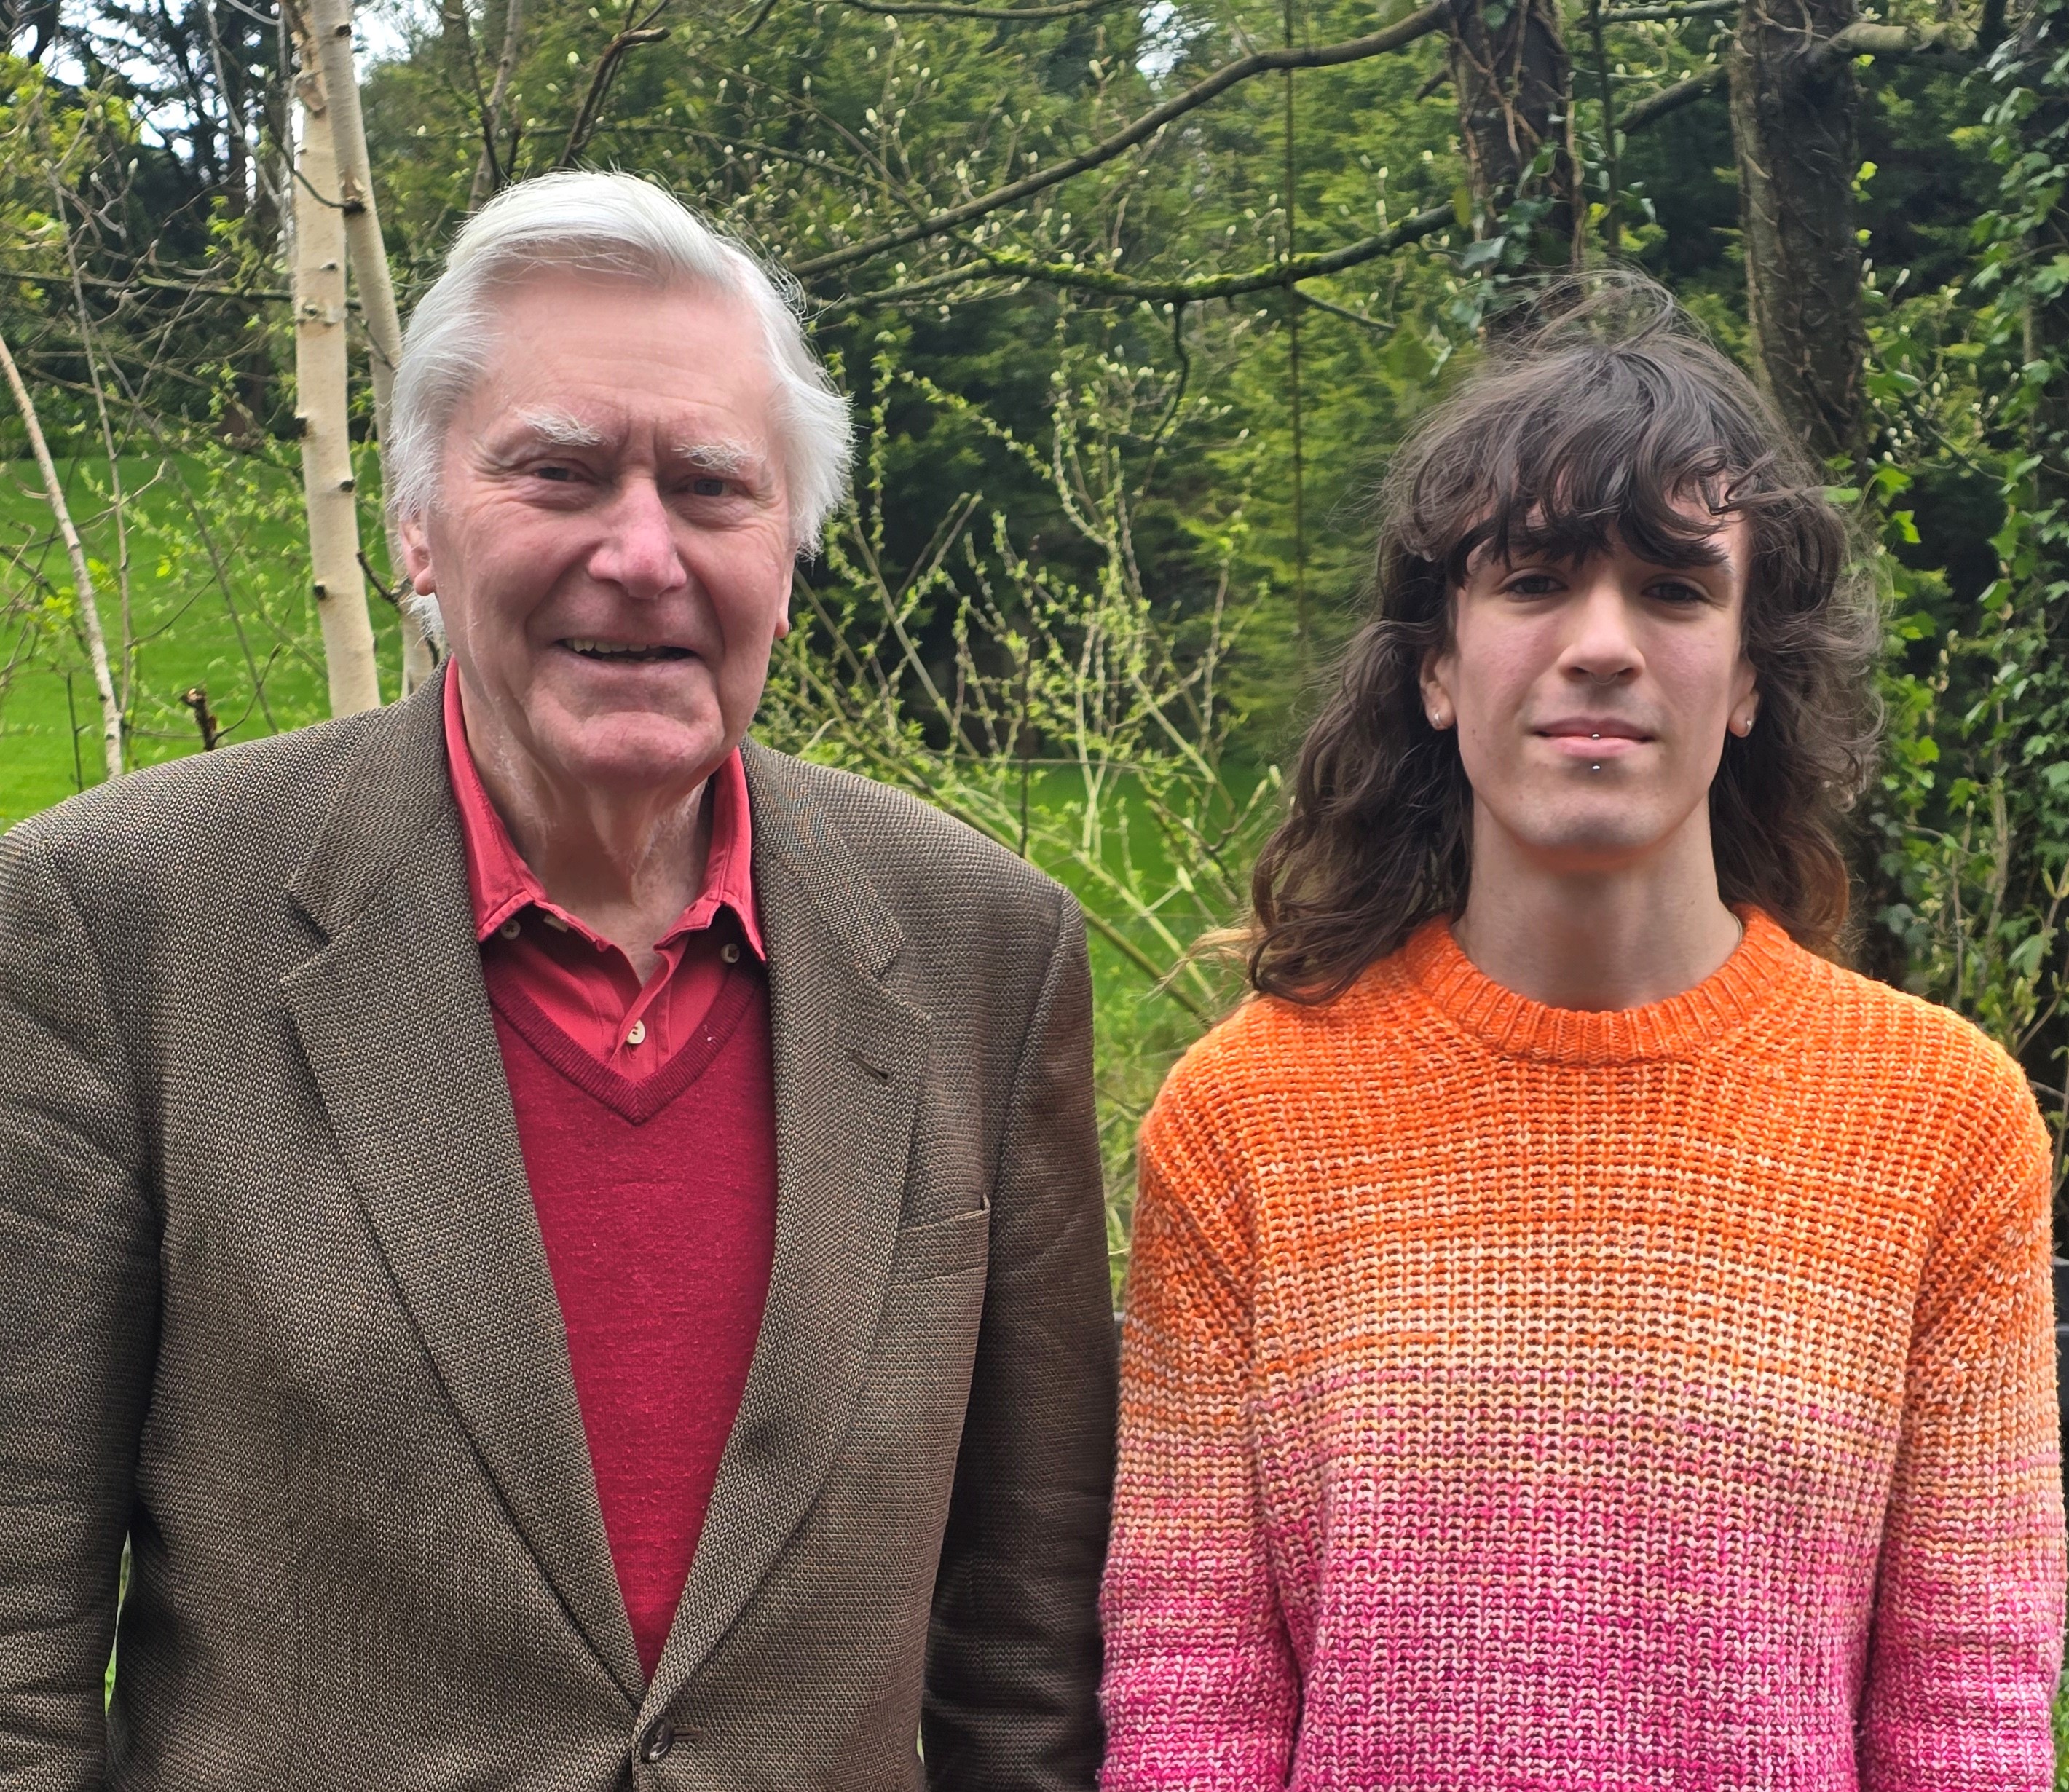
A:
[657,1203]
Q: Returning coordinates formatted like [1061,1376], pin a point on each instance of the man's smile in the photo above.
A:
[638,653]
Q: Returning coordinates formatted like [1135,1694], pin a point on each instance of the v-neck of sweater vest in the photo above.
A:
[1754,985]
[636,1101]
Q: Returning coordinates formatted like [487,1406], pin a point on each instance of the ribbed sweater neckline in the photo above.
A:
[1762,973]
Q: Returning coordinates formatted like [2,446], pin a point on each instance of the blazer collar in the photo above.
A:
[396,1027]
[850,1057]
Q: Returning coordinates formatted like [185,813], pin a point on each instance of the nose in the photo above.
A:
[1601,645]
[639,552]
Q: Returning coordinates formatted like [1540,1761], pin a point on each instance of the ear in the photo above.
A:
[417,555]
[1438,704]
[1745,699]
[789,591]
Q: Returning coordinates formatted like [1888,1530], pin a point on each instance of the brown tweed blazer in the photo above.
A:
[273,1304]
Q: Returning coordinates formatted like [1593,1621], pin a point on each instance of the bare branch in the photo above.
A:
[1397,36]
[1289,271]
[941,9]
[1951,40]
[591,110]
[489,171]
[262,294]
[1657,106]
[89,611]
[1668,10]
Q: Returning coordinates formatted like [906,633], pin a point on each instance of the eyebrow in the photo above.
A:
[559,429]
[730,458]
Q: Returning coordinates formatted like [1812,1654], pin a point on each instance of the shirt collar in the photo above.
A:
[501,884]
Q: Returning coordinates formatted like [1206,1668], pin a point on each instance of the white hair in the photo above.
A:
[603,224]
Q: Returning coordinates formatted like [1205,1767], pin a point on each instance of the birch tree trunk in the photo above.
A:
[89,609]
[328,484]
[1793,104]
[330,22]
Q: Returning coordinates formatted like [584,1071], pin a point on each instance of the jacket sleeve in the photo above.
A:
[78,1303]
[1967,1638]
[1013,1667]
[1201,1688]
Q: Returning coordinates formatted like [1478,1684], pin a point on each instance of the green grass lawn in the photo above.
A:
[219,597]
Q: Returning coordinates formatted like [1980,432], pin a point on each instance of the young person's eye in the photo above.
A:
[1533,584]
[1678,592]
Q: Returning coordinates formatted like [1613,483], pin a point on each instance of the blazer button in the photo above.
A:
[658,1742]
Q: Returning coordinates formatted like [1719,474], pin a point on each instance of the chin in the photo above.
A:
[1588,835]
[627,754]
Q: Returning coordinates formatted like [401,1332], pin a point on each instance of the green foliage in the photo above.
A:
[1973,499]
[1075,721]
[1109,535]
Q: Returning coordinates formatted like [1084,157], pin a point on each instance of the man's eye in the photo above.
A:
[554,471]
[708,485]
[1533,584]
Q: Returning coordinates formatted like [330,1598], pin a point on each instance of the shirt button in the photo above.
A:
[657,1742]
[637,1036]
[730,953]
[510,929]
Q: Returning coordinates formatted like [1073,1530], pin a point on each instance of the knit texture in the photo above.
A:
[1515,1397]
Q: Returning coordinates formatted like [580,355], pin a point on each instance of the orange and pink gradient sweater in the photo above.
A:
[1517,1398]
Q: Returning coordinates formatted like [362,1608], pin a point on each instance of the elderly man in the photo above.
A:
[569,1243]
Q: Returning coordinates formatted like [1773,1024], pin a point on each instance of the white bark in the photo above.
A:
[321,408]
[89,609]
[331,23]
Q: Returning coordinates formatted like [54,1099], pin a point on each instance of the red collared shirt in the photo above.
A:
[584,984]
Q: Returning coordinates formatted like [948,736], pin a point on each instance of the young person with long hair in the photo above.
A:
[1578,1334]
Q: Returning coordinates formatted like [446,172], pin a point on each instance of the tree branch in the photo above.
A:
[1865,37]
[1668,10]
[1289,271]
[263,295]
[1396,36]
[591,110]
[1655,107]
[489,171]
[941,9]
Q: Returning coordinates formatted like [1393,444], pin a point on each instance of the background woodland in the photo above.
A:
[1133,298]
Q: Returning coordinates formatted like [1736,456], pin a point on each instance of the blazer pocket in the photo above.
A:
[943,1247]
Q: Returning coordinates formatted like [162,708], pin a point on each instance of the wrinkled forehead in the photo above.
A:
[577,359]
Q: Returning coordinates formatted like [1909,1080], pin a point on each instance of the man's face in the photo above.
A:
[1592,698]
[611,549]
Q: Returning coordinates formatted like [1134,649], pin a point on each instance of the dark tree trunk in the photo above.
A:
[1793,118]
[2043,40]
[1514,87]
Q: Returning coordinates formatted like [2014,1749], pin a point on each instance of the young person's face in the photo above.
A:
[1592,698]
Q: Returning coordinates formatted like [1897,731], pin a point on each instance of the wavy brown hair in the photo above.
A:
[1609,419]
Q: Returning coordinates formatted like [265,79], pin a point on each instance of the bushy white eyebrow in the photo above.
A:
[558,430]
[729,458]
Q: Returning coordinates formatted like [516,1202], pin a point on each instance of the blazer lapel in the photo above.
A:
[396,1027]
[849,1056]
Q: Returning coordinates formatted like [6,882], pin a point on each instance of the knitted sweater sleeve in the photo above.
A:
[1201,1689]
[1967,1638]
